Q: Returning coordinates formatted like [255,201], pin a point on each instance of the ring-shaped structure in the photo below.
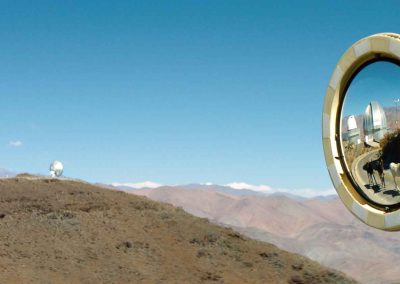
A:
[385,47]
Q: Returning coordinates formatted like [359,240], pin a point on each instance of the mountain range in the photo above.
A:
[64,231]
[239,189]
[320,228]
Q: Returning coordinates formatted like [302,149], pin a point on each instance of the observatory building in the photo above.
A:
[374,122]
[56,169]
[353,133]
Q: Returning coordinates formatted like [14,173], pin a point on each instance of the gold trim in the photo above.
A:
[363,51]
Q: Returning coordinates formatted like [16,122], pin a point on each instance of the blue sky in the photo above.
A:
[376,82]
[175,91]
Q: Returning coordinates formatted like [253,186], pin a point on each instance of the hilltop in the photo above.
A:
[59,231]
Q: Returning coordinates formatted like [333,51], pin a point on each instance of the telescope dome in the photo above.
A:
[352,135]
[374,122]
[56,169]
[351,123]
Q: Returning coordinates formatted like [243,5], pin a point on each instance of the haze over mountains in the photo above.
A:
[320,228]
[235,188]
[6,173]
[61,231]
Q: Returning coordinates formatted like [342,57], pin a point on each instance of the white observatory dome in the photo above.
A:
[56,169]
[352,135]
[351,123]
[374,121]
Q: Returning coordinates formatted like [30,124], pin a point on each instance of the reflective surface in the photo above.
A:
[369,131]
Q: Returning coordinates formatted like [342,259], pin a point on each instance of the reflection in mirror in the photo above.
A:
[370,132]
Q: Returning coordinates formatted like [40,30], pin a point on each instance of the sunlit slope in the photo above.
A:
[56,231]
[321,229]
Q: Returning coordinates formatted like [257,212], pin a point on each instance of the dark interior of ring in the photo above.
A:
[341,157]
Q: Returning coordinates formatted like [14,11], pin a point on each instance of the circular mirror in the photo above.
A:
[361,130]
[370,126]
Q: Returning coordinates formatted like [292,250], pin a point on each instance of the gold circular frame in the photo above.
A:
[384,46]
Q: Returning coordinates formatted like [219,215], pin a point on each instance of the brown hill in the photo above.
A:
[55,231]
[322,230]
[276,214]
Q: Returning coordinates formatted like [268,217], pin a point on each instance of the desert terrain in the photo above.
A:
[320,228]
[60,231]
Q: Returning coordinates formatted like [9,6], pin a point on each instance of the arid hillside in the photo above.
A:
[321,229]
[55,231]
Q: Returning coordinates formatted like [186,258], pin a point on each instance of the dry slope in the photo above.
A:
[55,231]
[321,229]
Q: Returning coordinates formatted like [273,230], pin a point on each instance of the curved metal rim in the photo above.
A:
[379,47]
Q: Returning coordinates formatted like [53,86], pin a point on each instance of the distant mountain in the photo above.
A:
[222,189]
[320,228]
[214,187]
[6,173]
[62,231]
[138,185]
[289,195]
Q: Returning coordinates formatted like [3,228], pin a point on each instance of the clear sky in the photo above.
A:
[379,82]
[175,91]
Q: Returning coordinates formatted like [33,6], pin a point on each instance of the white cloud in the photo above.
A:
[304,192]
[15,143]
[243,185]
[145,184]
